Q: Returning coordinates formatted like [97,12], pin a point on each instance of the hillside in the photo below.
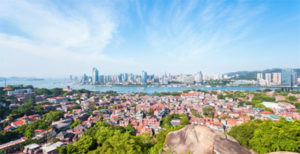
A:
[251,75]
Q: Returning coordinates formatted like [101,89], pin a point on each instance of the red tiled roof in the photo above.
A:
[7,89]
[190,94]
[38,130]
[7,127]
[56,98]
[265,112]
[19,123]
[232,122]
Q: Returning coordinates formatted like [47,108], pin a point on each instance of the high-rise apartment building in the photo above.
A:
[259,76]
[268,78]
[294,78]
[276,79]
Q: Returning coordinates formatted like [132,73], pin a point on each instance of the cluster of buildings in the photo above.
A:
[60,130]
[143,79]
[287,78]
[145,114]
[22,121]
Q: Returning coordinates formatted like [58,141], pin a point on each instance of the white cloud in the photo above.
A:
[186,31]
[74,34]
[62,34]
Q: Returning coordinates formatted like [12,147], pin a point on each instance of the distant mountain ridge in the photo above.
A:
[251,75]
[20,78]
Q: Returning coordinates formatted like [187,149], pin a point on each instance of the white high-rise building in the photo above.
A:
[276,79]
[259,76]
[268,78]
[294,78]
[260,79]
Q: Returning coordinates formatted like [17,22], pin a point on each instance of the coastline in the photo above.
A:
[62,83]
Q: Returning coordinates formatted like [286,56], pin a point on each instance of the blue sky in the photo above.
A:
[57,38]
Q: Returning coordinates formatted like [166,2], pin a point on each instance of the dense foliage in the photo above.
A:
[268,136]
[105,138]
[26,107]
[161,138]
[28,130]
[166,121]
[208,111]
[195,113]
[167,93]
[75,123]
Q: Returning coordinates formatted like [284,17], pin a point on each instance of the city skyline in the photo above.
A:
[285,77]
[55,39]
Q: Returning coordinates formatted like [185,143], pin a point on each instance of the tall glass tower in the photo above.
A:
[144,78]
[286,77]
[200,77]
[95,76]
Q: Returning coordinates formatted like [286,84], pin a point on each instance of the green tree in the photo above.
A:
[29,131]
[208,111]
[84,144]
[244,132]
[184,120]
[292,98]
[75,123]
[269,136]
[129,128]
[121,143]
[195,113]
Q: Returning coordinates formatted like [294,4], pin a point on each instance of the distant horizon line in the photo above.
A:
[67,76]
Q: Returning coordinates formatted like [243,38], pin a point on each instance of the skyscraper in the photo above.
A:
[268,78]
[101,79]
[276,79]
[84,78]
[259,76]
[294,78]
[126,77]
[95,76]
[144,78]
[199,77]
[120,78]
[286,77]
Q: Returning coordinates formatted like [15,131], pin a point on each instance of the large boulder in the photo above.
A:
[202,140]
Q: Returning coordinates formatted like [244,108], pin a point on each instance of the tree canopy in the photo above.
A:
[269,136]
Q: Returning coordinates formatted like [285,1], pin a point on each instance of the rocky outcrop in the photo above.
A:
[202,140]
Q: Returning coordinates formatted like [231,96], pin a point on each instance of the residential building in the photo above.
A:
[268,78]
[276,79]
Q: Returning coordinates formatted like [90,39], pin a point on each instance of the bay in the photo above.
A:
[62,83]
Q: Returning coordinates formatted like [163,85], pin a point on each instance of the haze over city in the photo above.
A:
[58,38]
